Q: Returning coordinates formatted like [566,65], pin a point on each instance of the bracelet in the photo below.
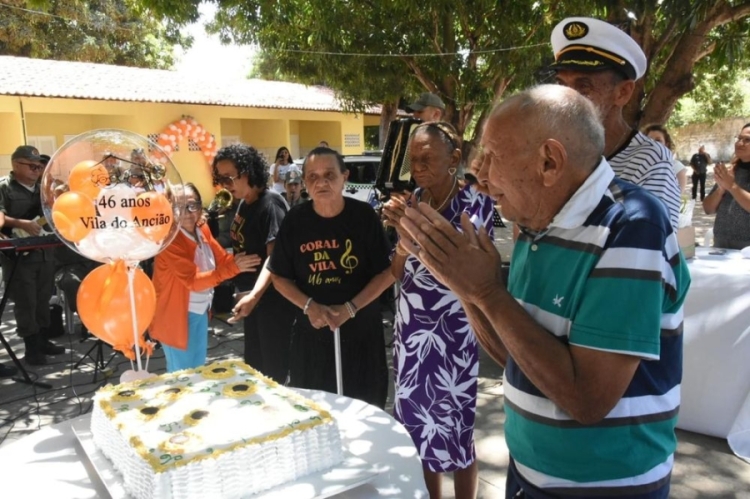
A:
[307,305]
[400,251]
[351,308]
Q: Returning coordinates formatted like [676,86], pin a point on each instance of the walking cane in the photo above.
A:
[337,346]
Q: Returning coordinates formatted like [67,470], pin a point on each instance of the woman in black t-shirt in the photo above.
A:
[267,315]
[331,259]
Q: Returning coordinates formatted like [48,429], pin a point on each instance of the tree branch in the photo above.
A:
[731,14]
[664,38]
[706,51]
[423,79]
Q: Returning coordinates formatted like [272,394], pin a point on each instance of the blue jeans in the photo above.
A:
[195,353]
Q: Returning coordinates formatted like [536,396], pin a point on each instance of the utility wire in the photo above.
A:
[432,54]
[75,22]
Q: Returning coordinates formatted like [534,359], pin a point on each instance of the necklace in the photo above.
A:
[447,198]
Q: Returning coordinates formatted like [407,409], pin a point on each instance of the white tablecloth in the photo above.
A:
[48,463]
[716,367]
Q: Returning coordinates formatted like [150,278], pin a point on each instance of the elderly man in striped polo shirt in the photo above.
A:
[589,328]
[603,63]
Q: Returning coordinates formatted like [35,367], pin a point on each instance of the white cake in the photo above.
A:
[221,430]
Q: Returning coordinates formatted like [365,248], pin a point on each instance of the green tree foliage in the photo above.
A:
[469,53]
[106,31]
[473,53]
[715,97]
[683,41]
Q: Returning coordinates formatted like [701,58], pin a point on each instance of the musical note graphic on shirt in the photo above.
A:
[349,261]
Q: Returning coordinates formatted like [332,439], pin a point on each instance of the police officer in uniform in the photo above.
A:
[33,279]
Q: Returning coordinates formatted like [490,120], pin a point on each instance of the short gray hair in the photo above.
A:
[560,113]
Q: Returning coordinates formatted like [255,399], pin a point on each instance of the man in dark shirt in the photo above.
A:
[700,162]
[33,279]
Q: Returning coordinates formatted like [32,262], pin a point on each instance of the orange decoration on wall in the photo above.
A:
[187,127]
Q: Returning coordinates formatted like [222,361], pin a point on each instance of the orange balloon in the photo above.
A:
[104,304]
[152,215]
[88,177]
[73,215]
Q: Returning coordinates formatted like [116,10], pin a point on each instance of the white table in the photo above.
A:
[716,366]
[49,463]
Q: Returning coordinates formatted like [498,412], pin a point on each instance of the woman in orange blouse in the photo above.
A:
[185,274]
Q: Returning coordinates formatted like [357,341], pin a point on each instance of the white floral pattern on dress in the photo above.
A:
[436,358]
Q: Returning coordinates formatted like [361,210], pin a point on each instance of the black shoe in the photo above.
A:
[33,358]
[7,371]
[49,348]
[34,354]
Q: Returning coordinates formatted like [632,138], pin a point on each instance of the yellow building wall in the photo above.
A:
[231,127]
[312,132]
[267,129]
[11,130]
[371,120]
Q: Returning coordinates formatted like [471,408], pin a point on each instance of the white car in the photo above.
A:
[363,170]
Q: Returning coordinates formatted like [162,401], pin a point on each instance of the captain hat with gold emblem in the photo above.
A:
[587,44]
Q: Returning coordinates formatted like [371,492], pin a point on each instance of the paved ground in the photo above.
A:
[705,466]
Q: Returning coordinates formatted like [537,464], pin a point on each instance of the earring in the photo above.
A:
[452,171]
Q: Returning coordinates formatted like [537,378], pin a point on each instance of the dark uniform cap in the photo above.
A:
[292,177]
[26,152]
[426,99]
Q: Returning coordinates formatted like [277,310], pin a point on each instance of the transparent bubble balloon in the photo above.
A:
[113,195]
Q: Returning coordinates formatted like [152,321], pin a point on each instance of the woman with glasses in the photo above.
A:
[185,274]
[280,168]
[436,358]
[730,197]
[331,262]
[268,316]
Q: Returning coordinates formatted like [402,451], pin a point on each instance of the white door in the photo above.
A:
[46,144]
[228,140]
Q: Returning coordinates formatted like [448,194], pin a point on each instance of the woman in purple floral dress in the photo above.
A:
[435,354]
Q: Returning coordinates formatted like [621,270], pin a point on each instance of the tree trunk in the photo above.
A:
[388,113]
[677,78]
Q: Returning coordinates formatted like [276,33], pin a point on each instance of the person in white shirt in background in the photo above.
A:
[659,133]
[280,168]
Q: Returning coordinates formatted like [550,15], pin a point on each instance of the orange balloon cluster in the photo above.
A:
[73,215]
[88,177]
[188,128]
[73,212]
[104,306]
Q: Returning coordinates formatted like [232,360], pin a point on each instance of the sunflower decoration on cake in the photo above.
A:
[172,393]
[148,412]
[195,416]
[126,395]
[181,443]
[239,390]
[217,372]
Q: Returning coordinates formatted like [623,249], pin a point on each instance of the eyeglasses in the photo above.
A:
[225,180]
[742,140]
[31,166]
[193,206]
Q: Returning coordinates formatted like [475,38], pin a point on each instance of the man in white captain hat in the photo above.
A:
[602,63]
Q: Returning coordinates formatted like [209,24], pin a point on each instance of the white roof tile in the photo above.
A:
[82,80]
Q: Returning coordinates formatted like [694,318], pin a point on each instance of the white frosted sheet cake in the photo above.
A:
[221,430]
